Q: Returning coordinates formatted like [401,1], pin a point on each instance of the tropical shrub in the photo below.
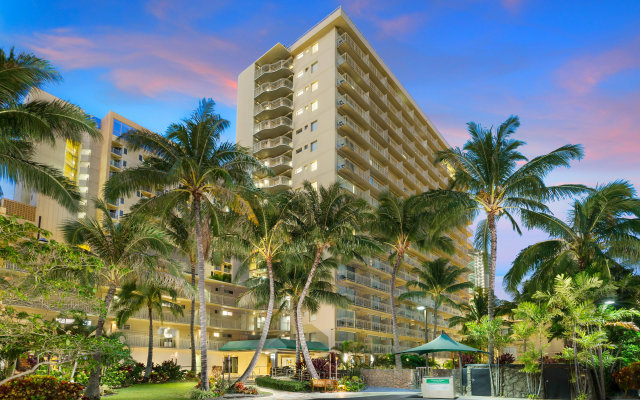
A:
[286,385]
[114,377]
[628,378]
[351,384]
[168,371]
[220,276]
[469,358]
[408,361]
[40,387]
[199,394]
[239,387]
[506,358]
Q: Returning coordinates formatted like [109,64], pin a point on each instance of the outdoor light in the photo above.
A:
[609,302]
[420,308]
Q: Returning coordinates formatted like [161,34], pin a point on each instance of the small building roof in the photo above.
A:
[442,343]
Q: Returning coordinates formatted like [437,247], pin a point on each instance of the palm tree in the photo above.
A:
[490,175]
[436,279]
[477,308]
[266,242]
[23,125]
[290,276]
[194,167]
[328,221]
[135,296]
[410,223]
[601,232]
[129,249]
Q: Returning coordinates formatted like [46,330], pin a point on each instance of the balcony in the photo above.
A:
[272,127]
[345,42]
[377,348]
[380,131]
[378,95]
[352,150]
[345,102]
[362,324]
[280,68]
[278,164]
[364,280]
[117,151]
[350,171]
[382,151]
[271,147]
[347,124]
[113,214]
[273,90]
[347,63]
[267,108]
[347,83]
[115,165]
[279,182]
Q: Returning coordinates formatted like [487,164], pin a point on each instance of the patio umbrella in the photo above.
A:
[444,343]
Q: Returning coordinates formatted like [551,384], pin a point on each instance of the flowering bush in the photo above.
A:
[40,387]
[469,358]
[239,387]
[506,358]
[351,384]
[169,370]
[628,378]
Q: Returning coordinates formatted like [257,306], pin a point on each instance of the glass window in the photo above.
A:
[298,170]
[138,193]
[125,150]
[298,150]
[314,105]
[299,112]
[314,126]
[300,74]
[314,48]
[314,165]
[300,92]
[314,86]
[117,127]
[314,67]
[124,163]
[314,145]
[140,157]
[299,56]
[299,131]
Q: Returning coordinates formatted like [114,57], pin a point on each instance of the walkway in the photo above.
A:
[371,393]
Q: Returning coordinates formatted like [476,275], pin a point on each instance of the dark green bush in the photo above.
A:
[40,387]
[278,384]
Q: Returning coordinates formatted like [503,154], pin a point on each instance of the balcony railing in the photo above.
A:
[379,130]
[346,143]
[344,121]
[271,143]
[347,166]
[273,123]
[276,66]
[277,161]
[345,99]
[345,79]
[346,39]
[115,163]
[117,151]
[272,105]
[363,280]
[272,86]
[273,182]
[346,59]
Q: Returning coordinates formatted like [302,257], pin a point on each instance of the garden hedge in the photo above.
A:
[286,385]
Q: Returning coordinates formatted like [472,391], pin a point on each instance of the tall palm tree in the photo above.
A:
[129,249]
[194,167]
[602,232]
[134,296]
[23,125]
[328,221]
[436,279]
[490,175]
[290,276]
[410,223]
[266,242]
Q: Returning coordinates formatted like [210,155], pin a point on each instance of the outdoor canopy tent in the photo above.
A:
[444,343]
[270,344]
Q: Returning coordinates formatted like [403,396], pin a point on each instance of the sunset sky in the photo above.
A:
[570,69]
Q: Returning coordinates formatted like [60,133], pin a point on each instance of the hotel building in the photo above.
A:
[327,109]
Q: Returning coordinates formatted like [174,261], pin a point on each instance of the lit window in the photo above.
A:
[227,313]
[314,86]
[298,170]
[299,56]
[314,48]
[299,111]
[306,88]
[300,92]
[314,105]
[314,67]
[314,145]
[314,126]
[314,185]
[300,74]
[314,165]
[216,334]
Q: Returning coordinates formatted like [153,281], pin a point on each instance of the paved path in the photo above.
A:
[368,394]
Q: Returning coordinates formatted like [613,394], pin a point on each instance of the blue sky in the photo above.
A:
[570,70]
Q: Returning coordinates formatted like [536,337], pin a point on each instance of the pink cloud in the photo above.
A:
[376,13]
[146,64]
[582,74]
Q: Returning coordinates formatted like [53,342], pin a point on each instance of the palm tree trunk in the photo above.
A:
[204,368]
[92,392]
[193,318]
[305,290]
[394,317]
[295,326]
[491,219]
[147,371]
[265,328]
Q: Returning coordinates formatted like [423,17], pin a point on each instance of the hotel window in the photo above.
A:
[300,92]
[314,145]
[299,56]
[299,111]
[140,157]
[299,131]
[121,200]
[314,185]
[298,150]
[314,67]
[314,126]
[124,163]
[314,48]
[125,150]
[298,170]
[314,105]
[300,74]
[138,193]
[314,86]
[227,313]
[314,165]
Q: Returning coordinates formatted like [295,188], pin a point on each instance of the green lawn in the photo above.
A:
[150,391]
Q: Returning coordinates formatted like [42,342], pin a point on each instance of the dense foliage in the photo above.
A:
[40,387]
[283,384]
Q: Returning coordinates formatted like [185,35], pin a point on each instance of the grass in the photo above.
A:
[151,391]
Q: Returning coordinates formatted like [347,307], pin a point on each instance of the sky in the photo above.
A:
[570,69]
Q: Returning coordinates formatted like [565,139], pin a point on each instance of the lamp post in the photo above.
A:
[426,328]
